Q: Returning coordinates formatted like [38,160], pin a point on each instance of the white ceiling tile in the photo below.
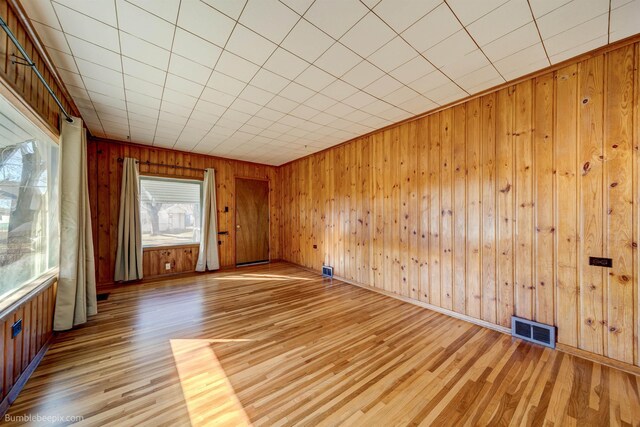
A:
[98,72]
[392,55]
[523,62]
[141,110]
[217,97]
[624,20]
[297,92]
[506,18]
[412,70]
[51,37]
[383,86]
[483,77]
[165,9]
[143,71]
[401,15]
[279,22]
[451,50]
[250,45]
[271,82]
[86,28]
[256,95]
[358,100]
[195,48]
[304,112]
[98,86]
[142,86]
[270,114]
[204,21]
[428,82]
[188,69]
[542,7]
[285,64]
[465,64]
[470,11]
[571,15]
[175,110]
[183,85]
[314,78]
[339,90]
[180,98]
[205,110]
[105,100]
[144,51]
[320,102]
[141,99]
[368,35]
[96,54]
[281,104]
[41,12]
[362,74]
[144,25]
[231,8]
[513,42]
[577,36]
[400,95]
[306,41]
[446,93]
[239,68]
[337,60]
[225,84]
[299,6]
[335,17]
[63,60]
[436,26]
[578,49]
[243,106]
[102,10]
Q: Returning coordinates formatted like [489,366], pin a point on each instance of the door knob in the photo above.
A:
[237,226]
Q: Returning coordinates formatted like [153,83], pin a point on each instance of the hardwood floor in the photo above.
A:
[278,345]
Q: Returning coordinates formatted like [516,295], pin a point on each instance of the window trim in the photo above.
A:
[155,177]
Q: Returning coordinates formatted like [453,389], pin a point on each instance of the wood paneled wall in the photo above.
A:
[21,79]
[37,327]
[105,176]
[492,208]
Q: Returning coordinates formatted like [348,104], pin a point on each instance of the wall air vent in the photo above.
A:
[327,271]
[529,330]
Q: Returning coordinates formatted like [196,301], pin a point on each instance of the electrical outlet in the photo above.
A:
[167,266]
[16,328]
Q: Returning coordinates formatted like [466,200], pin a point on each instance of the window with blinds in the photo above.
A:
[170,211]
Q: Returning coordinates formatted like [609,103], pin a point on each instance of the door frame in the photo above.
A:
[236,177]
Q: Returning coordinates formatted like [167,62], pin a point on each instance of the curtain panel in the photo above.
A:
[208,256]
[129,250]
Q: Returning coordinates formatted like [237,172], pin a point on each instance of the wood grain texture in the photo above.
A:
[279,345]
[515,190]
[252,220]
[105,176]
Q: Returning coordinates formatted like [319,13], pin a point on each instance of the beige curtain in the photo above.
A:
[76,294]
[129,253]
[208,256]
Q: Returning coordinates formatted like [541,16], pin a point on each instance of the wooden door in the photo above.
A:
[252,221]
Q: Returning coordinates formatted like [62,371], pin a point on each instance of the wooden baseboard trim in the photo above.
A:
[626,367]
[23,378]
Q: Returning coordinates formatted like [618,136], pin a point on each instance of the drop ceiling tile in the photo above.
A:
[98,72]
[506,18]
[96,54]
[207,111]
[337,60]
[523,62]
[271,82]
[362,74]
[108,101]
[314,78]
[323,118]
[244,106]
[275,28]
[176,110]
[470,11]
[299,6]
[579,49]
[270,114]
[542,7]
[179,98]
[446,93]
[256,95]
[281,104]
[519,39]
[341,110]
[217,97]
[239,68]
[188,69]
[182,85]
[306,41]
[103,11]
[368,35]
[335,17]
[42,12]
[436,26]
[392,55]
[400,95]
[141,110]
[226,84]
[204,21]
[51,37]
[412,70]
[570,15]
[250,45]
[86,28]
[451,50]
[304,112]
[339,90]
[358,100]
[401,15]
[577,36]
[320,102]
[195,48]
[383,86]
[624,20]
[143,71]
[465,64]
[80,96]
[296,92]
[165,9]
[63,60]
[143,51]
[98,86]
[144,25]
[142,86]
[428,82]
[285,64]
[480,79]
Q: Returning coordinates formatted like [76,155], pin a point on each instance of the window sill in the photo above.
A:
[26,292]
[177,246]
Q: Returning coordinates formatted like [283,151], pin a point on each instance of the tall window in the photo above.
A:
[170,211]
[29,231]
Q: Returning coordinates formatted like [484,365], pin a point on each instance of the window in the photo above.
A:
[170,211]
[29,231]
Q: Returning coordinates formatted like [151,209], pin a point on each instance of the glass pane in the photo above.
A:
[29,218]
[170,211]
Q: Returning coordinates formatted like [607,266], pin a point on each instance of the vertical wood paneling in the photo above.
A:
[493,207]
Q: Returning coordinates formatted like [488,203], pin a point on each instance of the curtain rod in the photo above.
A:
[148,163]
[32,65]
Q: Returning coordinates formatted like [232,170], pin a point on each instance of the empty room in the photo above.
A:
[320,212]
